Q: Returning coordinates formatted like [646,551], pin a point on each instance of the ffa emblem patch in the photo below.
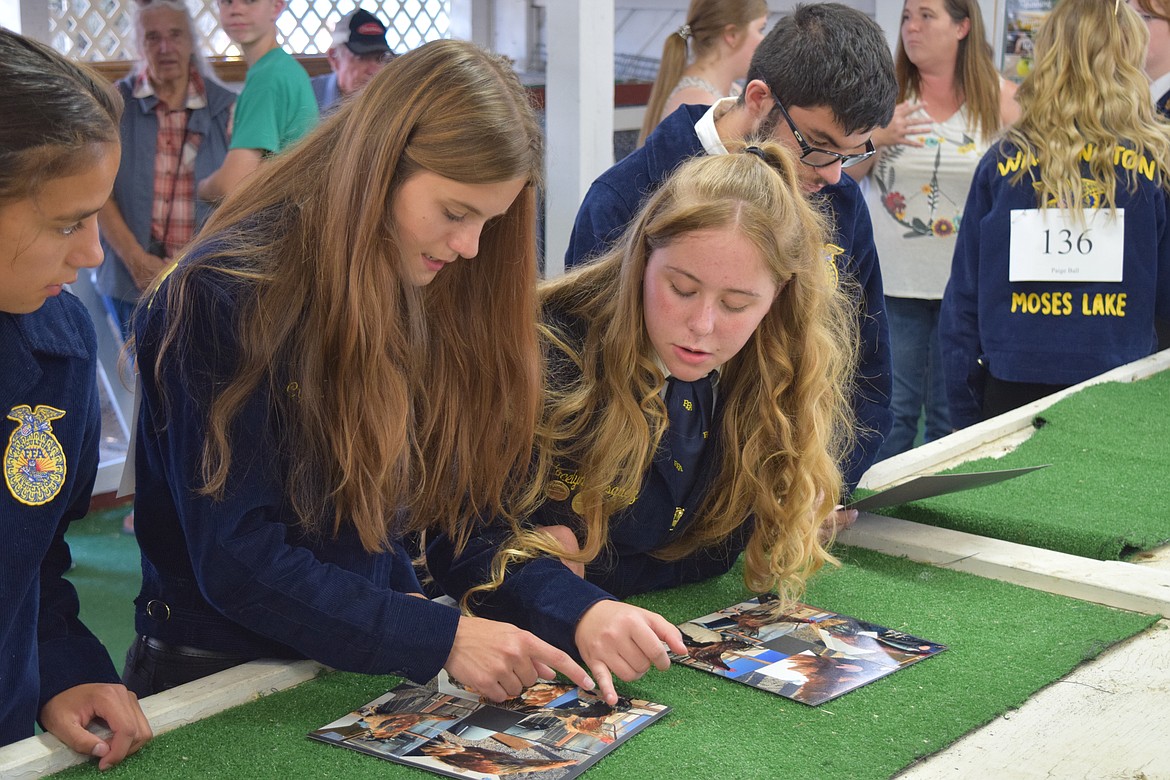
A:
[832,252]
[34,463]
[1092,195]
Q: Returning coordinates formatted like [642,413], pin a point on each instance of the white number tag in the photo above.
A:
[1047,246]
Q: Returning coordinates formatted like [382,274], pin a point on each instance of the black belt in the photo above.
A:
[194,652]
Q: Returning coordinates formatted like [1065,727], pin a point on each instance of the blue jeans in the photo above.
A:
[918,374]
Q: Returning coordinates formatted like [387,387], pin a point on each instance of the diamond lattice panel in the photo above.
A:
[102,29]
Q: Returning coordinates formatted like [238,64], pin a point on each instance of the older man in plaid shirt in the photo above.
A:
[174,132]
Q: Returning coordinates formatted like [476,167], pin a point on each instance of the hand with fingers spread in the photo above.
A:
[624,640]
[67,714]
[498,660]
[910,122]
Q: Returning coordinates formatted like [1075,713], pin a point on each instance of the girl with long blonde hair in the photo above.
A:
[719,284]
[1063,261]
[323,374]
[702,59]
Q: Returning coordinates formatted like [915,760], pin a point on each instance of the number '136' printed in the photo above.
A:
[1049,245]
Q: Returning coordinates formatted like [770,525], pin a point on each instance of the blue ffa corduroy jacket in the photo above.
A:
[1056,333]
[238,575]
[48,392]
[546,598]
[615,197]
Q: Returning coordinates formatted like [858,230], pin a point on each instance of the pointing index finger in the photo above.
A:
[560,661]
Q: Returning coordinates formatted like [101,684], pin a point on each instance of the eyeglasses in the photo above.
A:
[821,158]
[370,58]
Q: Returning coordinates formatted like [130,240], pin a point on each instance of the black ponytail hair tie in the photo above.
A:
[757,151]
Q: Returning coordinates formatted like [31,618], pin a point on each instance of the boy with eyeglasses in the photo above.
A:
[277,106]
[820,83]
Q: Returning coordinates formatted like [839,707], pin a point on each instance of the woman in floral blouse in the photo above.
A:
[952,105]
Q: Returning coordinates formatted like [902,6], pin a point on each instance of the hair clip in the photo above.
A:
[757,151]
[684,32]
[1116,5]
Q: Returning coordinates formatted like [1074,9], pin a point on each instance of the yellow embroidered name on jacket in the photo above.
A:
[567,482]
[1126,158]
[1060,303]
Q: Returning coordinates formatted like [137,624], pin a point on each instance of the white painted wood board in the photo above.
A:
[1106,720]
[44,754]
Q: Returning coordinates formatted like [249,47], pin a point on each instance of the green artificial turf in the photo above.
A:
[1006,642]
[1107,493]
[107,573]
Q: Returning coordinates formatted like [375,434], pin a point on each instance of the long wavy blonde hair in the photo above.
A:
[1087,95]
[785,421]
[423,399]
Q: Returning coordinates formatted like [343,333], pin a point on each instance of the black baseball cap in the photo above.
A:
[361,32]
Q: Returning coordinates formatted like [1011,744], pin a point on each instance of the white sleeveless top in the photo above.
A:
[687,82]
[916,197]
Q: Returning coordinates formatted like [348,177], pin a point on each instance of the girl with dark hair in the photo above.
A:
[59,153]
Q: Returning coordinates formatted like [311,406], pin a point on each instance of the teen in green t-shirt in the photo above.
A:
[277,105]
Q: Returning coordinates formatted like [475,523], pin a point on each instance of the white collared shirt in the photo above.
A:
[1159,87]
[705,127]
[666,373]
[196,94]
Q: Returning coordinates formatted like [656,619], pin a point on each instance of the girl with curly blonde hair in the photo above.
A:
[720,288]
[1063,260]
